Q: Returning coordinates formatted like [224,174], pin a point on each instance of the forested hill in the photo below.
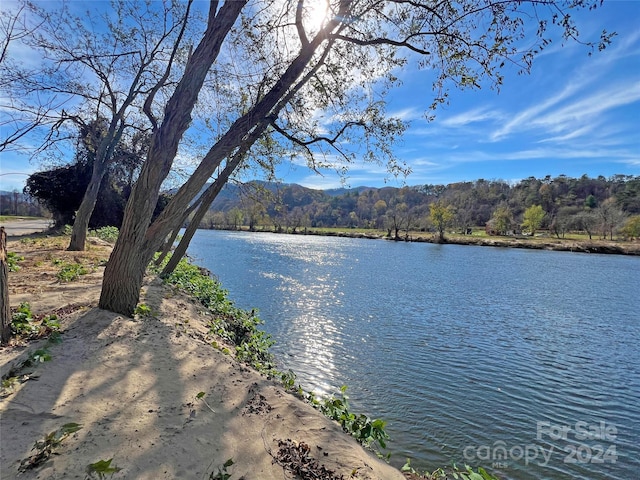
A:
[566,202]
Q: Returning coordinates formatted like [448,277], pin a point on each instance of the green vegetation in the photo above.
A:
[108,234]
[24,325]
[585,205]
[222,474]
[532,218]
[501,221]
[17,374]
[101,469]
[71,271]
[234,325]
[12,261]
[370,433]
[454,472]
[631,229]
[143,310]
[200,396]
[441,216]
[39,356]
[44,448]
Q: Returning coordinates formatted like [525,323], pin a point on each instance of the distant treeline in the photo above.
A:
[586,204]
[18,204]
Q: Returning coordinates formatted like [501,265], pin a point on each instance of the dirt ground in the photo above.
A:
[135,386]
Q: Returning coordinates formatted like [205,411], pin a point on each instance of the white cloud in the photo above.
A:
[319,182]
[523,119]
[408,114]
[633,162]
[590,107]
[550,117]
[475,115]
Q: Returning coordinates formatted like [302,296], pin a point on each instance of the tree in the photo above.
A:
[628,198]
[235,218]
[610,217]
[441,215]
[565,220]
[313,83]
[587,220]
[5,311]
[72,179]
[532,219]
[631,227]
[103,77]
[396,217]
[46,187]
[502,219]
[254,212]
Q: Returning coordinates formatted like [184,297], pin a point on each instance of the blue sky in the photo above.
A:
[573,115]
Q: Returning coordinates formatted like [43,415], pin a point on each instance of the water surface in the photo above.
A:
[526,361]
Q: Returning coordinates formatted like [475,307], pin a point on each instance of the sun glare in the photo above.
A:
[316,13]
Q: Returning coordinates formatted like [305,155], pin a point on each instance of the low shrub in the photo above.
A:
[108,234]
[12,261]
[24,325]
[71,271]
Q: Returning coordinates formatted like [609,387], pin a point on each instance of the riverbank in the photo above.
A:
[536,243]
[151,393]
[559,245]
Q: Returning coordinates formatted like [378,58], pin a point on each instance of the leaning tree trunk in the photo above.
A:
[100,164]
[207,198]
[166,248]
[138,239]
[83,215]
[136,245]
[5,310]
[124,273]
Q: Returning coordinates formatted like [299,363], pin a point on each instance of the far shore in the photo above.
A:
[572,243]
[615,247]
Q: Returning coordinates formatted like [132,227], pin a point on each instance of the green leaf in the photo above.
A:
[102,467]
[70,428]
[485,474]
[200,395]
[378,423]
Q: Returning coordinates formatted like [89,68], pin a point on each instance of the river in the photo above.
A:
[523,361]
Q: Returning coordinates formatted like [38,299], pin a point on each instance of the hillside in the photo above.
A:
[570,204]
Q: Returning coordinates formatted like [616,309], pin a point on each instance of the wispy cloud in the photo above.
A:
[408,114]
[592,106]
[550,117]
[475,115]
[523,119]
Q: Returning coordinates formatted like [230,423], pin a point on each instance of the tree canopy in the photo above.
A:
[532,218]
[61,189]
